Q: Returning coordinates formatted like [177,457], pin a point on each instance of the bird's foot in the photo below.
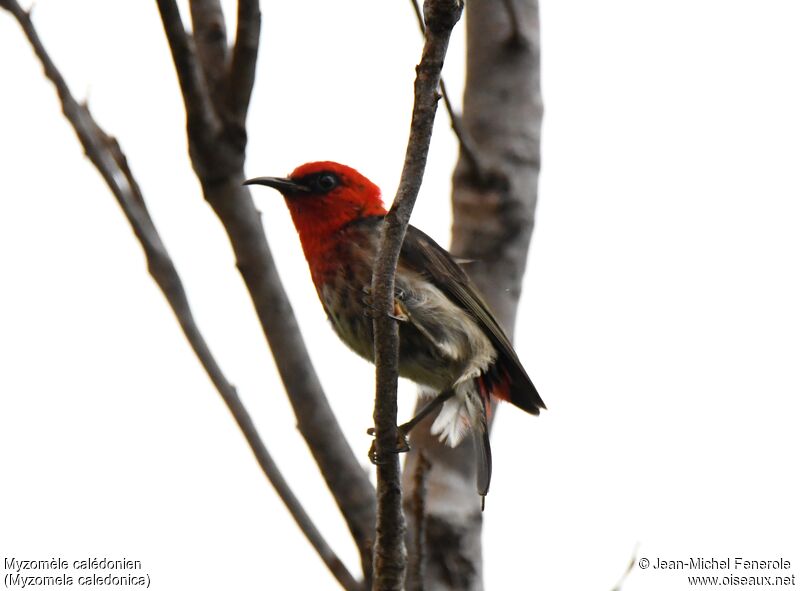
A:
[402,445]
[399,313]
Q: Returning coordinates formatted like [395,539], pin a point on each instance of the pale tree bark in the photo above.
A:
[494,197]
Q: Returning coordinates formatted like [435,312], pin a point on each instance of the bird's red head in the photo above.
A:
[323,197]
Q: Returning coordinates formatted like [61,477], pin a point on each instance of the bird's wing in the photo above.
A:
[421,253]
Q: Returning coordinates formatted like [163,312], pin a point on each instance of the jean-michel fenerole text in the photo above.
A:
[729,563]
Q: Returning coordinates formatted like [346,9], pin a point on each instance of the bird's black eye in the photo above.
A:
[326,182]
[319,183]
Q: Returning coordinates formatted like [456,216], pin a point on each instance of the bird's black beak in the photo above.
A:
[285,186]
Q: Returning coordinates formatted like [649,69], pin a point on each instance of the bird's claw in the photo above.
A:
[402,446]
[398,313]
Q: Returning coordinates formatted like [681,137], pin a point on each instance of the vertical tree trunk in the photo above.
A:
[494,197]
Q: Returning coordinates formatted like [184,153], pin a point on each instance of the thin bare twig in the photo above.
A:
[466,144]
[218,155]
[416,579]
[390,553]
[106,155]
[628,569]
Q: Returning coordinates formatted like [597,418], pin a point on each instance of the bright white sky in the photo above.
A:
[659,319]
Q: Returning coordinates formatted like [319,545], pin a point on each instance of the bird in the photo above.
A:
[450,343]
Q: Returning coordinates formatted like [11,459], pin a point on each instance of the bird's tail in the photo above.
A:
[483,454]
[470,407]
[467,411]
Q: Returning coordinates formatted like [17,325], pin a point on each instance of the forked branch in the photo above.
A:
[106,155]
[217,144]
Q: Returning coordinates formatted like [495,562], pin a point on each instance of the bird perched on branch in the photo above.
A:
[450,343]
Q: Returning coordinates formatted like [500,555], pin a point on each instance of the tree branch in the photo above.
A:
[197,98]
[465,143]
[243,65]
[628,569]
[218,154]
[208,24]
[416,508]
[104,152]
[390,553]
[517,36]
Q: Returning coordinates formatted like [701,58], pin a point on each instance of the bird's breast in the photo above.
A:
[344,295]
[440,342]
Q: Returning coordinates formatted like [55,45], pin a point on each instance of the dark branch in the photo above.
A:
[243,65]
[196,95]
[106,155]
[517,36]
[218,154]
[416,579]
[468,148]
[390,553]
[208,24]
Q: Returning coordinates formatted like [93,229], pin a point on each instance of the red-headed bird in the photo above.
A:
[450,343]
